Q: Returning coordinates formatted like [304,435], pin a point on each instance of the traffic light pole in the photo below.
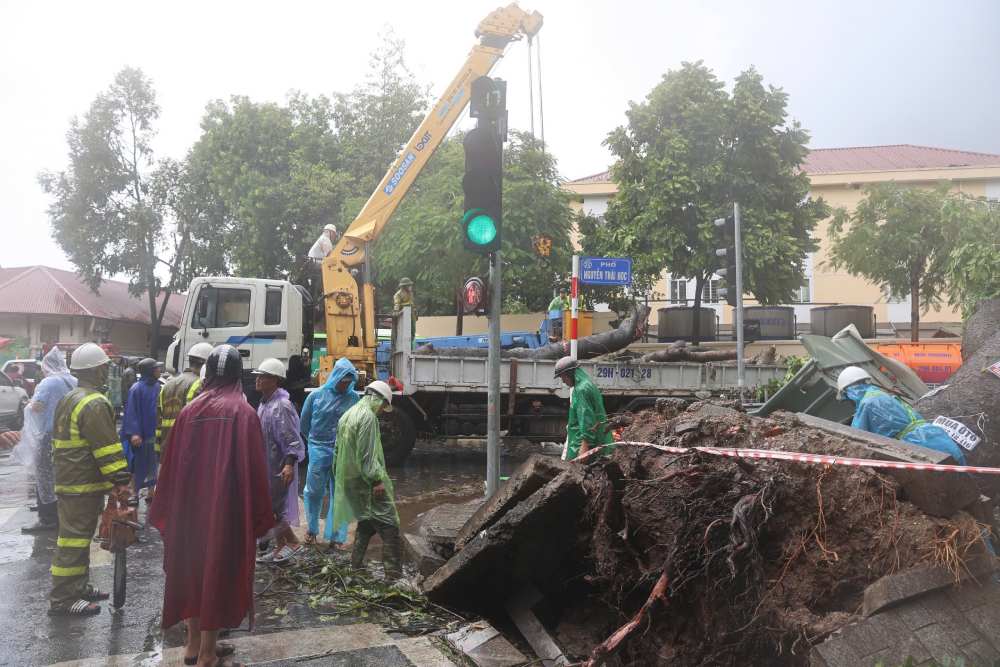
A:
[493,381]
[740,360]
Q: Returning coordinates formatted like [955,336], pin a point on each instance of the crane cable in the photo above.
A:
[541,108]
[531,87]
[532,64]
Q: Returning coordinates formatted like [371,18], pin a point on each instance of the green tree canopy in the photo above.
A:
[687,153]
[973,266]
[423,242]
[102,214]
[898,238]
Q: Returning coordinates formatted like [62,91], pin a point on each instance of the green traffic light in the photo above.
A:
[480,228]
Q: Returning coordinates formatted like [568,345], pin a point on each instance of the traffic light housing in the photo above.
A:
[475,297]
[726,234]
[483,180]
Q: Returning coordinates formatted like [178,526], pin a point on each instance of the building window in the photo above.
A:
[678,290]
[48,333]
[801,295]
[710,291]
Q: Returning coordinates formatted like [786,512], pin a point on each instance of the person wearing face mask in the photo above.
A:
[88,462]
[363,489]
[320,415]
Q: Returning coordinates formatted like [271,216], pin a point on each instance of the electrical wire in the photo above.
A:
[541,108]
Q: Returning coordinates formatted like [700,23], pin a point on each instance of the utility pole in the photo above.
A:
[740,360]
[493,380]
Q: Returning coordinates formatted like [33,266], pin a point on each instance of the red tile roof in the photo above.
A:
[44,290]
[870,158]
[893,158]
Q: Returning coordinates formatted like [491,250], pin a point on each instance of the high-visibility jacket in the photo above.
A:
[86,452]
[175,394]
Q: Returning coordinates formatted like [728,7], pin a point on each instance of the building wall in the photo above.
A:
[130,338]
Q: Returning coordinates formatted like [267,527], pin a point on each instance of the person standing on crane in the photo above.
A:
[178,392]
[139,427]
[324,244]
[404,298]
[587,425]
[88,462]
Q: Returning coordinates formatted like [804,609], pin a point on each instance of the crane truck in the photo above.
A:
[442,394]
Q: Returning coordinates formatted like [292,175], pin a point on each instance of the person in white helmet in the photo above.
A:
[179,391]
[363,490]
[324,244]
[89,463]
[279,422]
[878,411]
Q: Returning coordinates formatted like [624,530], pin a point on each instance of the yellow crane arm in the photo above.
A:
[349,296]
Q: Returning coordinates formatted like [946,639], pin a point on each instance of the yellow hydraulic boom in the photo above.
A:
[349,296]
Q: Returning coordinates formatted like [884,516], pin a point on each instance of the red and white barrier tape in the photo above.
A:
[814,458]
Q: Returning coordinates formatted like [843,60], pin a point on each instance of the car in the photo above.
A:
[13,400]
[27,375]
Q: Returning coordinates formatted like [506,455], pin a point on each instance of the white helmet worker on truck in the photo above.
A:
[880,412]
[179,391]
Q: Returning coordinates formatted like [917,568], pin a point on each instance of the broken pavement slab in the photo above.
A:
[420,552]
[520,607]
[483,644]
[939,494]
[526,545]
[440,525]
[533,474]
[916,581]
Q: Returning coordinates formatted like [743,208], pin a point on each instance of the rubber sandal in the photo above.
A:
[95,595]
[221,651]
[78,608]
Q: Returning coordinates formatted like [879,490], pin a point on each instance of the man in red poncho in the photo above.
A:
[212,503]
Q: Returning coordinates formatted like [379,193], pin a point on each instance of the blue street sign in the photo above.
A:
[606,270]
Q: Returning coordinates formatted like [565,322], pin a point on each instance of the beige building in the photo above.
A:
[839,176]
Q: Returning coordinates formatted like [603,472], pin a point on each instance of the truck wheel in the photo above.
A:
[399,435]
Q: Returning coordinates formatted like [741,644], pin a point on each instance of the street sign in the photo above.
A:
[606,270]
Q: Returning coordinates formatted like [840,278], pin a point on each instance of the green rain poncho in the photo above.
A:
[360,466]
[587,418]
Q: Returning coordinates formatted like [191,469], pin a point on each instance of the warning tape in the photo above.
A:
[825,459]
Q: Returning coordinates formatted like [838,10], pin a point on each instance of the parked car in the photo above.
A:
[13,400]
[28,375]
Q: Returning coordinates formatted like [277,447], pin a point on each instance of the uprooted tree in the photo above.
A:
[688,152]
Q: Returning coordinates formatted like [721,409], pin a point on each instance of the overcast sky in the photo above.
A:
[858,72]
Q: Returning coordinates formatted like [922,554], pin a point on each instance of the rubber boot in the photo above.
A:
[392,552]
[48,520]
[362,537]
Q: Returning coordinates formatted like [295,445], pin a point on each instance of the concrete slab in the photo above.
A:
[917,581]
[520,607]
[524,546]
[419,552]
[530,476]
[485,646]
[440,525]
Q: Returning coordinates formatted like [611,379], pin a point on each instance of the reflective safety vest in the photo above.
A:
[86,451]
[174,395]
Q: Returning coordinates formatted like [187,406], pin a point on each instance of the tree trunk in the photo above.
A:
[699,283]
[914,305]
[459,311]
[154,322]
[682,353]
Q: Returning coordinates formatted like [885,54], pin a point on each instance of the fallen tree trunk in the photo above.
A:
[681,353]
[980,327]
[588,347]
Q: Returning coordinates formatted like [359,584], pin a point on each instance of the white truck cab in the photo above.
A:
[260,318]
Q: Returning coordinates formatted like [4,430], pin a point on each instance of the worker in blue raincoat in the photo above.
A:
[878,411]
[320,413]
[138,430]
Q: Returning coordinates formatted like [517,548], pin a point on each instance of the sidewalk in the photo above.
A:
[360,644]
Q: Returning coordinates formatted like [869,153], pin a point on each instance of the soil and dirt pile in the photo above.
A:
[760,559]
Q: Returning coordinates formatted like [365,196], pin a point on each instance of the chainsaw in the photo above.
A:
[117,532]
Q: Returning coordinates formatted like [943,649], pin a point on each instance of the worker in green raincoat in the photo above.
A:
[363,490]
[587,425]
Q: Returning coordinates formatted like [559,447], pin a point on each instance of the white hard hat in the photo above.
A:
[200,351]
[271,366]
[383,390]
[330,228]
[88,355]
[850,375]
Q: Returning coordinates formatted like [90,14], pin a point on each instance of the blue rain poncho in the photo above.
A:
[879,412]
[320,414]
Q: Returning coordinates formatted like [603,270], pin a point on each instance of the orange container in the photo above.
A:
[932,362]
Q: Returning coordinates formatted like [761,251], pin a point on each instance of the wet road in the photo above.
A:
[28,636]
